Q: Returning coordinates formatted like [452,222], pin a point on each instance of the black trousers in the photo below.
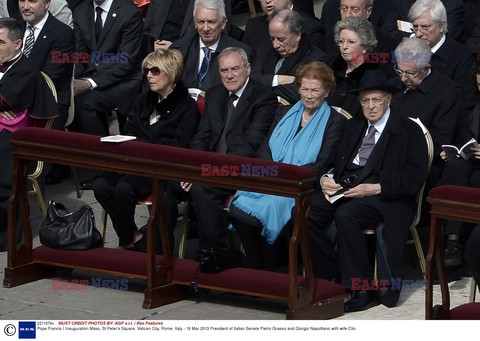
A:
[472,255]
[209,203]
[91,107]
[6,175]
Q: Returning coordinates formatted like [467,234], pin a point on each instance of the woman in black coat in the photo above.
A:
[355,38]
[165,114]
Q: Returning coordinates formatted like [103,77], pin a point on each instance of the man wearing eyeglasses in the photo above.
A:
[452,59]
[380,166]
[200,50]
[428,95]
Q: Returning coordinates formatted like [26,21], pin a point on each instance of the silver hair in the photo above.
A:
[292,19]
[414,50]
[435,7]
[217,5]
[362,27]
[229,50]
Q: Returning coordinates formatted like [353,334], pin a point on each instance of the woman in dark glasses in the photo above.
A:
[164,114]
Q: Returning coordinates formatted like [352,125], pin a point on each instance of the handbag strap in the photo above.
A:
[58,206]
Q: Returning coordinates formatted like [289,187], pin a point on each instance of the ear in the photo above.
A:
[224,23]
[443,26]
[249,69]
[369,11]
[18,44]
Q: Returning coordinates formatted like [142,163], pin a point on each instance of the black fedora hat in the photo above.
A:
[375,80]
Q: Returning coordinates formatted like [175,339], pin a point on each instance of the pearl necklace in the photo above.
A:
[303,118]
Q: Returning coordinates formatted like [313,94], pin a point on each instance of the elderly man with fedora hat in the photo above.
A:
[381,164]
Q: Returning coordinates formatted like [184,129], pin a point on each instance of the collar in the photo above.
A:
[105,5]
[241,90]
[8,64]
[39,26]
[381,123]
[211,47]
[439,44]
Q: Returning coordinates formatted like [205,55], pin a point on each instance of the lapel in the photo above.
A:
[393,127]
[353,137]
[443,54]
[241,106]
[112,17]
[42,36]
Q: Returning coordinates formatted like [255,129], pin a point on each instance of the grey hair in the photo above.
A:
[217,5]
[362,27]
[292,19]
[435,7]
[368,3]
[229,50]
[414,50]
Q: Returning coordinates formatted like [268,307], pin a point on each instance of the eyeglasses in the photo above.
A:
[374,100]
[424,28]
[154,70]
[355,10]
[408,74]
[348,180]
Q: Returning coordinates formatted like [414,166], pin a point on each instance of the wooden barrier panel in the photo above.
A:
[167,277]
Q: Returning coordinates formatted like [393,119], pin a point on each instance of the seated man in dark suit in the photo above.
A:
[165,23]
[45,42]
[275,65]
[256,30]
[381,164]
[200,50]
[452,59]
[399,12]
[110,33]
[24,97]
[238,114]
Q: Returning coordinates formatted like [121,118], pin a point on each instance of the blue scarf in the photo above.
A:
[275,211]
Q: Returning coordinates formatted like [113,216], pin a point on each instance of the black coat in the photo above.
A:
[267,58]
[331,137]
[247,128]
[190,49]
[341,96]
[457,62]
[58,37]
[176,124]
[437,102]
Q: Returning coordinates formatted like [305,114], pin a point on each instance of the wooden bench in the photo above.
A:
[168,278]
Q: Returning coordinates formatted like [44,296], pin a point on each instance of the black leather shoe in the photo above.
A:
[361,300]
[388,298]
[87,185]
[57,174]
[453,253]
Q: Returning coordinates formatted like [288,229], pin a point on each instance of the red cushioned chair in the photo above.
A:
[448,203]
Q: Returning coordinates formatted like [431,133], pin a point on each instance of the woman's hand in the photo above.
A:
[8,115]
[161,44]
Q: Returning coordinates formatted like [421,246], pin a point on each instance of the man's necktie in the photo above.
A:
[230,108]
[98,22]
[279,65]
[204,67]
[367,145]
[29,41]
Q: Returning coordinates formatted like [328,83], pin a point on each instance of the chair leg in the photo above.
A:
[473,290]
[183,233]
[75,179]
[103,225]
[418,247]
[38,193]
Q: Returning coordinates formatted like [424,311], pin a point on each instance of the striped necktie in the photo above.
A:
[29,41]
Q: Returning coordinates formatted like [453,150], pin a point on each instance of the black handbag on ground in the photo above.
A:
[213,260]
[72,231]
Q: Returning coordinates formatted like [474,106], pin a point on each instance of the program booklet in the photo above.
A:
[464,151]
[117,138]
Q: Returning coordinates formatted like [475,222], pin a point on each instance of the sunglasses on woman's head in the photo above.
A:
[154,70]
